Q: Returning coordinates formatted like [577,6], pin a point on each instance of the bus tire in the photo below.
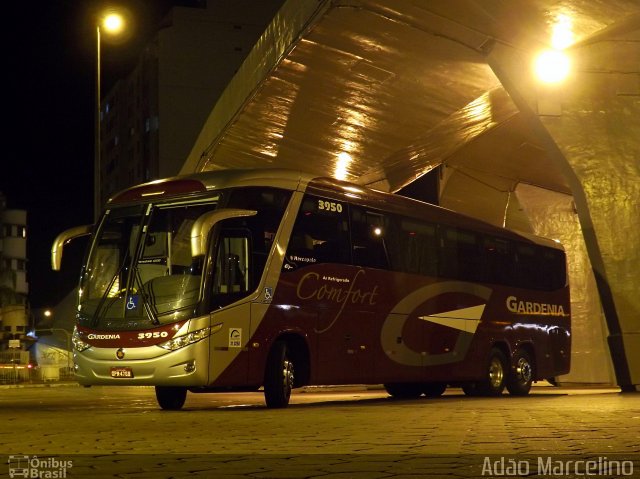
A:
[434,390]
[404,390]
[278,376]
[171,398]
[470,389]
[521,373]
[495,374]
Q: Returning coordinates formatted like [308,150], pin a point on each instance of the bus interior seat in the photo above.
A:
[232,280]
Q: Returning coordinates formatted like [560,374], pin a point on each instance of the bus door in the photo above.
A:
[230,281]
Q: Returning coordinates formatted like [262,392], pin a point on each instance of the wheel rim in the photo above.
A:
[287,376]
[496,373]
[524,371]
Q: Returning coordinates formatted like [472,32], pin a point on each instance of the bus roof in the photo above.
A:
[198,184]
[410,207]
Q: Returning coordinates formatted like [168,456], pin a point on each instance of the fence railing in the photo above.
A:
[15,368]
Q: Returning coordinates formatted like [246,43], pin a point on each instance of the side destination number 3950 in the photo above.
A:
[329,206]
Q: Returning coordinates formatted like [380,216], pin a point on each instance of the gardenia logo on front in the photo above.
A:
[40,468]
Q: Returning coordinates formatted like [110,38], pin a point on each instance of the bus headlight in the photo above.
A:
[78,343]
[185,340]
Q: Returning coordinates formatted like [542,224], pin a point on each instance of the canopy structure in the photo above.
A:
[387,93]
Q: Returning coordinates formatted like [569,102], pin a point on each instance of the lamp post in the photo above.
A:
[112,23]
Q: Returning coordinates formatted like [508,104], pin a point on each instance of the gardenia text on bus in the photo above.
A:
[518,306]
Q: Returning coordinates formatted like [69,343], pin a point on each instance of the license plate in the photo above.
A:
[121,373]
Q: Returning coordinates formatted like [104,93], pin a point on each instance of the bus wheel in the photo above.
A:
[278,377]
[434,390]
[494,382]
[521,375]
[404,390]
[470,389]
[171,398]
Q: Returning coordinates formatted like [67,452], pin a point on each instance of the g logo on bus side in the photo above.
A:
[397,317]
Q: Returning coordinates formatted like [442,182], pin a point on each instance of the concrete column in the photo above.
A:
[590,126]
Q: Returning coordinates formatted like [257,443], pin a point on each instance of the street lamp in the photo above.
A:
[112,23]
[553,65]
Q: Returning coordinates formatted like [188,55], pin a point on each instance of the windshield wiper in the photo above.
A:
[100,312]
[149,307]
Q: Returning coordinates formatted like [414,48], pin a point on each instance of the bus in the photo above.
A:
[237,280]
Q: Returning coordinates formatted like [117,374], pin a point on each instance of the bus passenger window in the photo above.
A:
[554,273]
[460,256]
[412,246]
[320,234]
[527,267]
[368,231]
[498,261]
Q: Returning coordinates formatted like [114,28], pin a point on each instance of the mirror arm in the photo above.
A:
[203,225]
[62,239]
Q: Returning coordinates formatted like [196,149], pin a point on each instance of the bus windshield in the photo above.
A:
[140,271]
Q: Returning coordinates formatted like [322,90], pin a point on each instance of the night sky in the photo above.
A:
[49,77]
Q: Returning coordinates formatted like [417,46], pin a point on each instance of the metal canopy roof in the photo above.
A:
[381,91]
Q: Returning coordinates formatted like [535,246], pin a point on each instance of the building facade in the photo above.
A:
[150,119]
[14,288]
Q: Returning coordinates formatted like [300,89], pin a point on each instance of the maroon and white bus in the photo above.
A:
[237,280]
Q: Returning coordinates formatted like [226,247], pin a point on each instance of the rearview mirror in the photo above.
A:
[202,226]
[62,239]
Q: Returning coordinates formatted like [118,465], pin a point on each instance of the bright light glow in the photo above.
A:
[115,289]
[113,23]
[552,66]
[344,160]
[479,109]
[47,313]
[562,35]
[78,343]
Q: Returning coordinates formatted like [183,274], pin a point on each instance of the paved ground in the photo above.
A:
[325,433]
